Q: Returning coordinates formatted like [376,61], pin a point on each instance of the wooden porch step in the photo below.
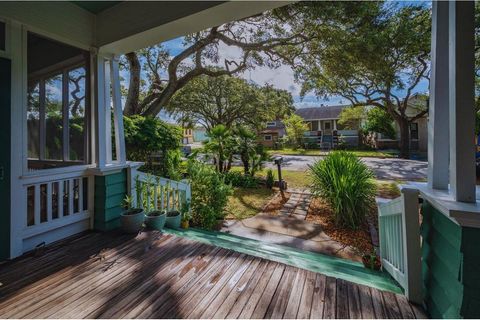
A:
[330,266]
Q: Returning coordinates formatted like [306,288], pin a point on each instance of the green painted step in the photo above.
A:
[330,266]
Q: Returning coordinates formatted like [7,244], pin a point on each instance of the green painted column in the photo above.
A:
[450,266]
[5,138]
[110,190]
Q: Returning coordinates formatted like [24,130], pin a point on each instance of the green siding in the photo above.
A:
[450,264]
[5,135]
[110,191]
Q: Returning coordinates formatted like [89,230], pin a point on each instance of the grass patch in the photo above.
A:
[387,189]
[247,202]
[313,152]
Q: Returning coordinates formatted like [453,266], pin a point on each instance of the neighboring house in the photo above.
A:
[187,136]
[418,128]
[199,134]
[324,130]
[274,131]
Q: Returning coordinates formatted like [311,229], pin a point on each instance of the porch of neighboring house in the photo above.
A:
[58,181]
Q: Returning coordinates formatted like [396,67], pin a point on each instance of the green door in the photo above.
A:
[5,107]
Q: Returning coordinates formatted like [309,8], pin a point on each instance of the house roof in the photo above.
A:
[324,112]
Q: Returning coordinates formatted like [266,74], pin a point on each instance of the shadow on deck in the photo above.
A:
[153,275]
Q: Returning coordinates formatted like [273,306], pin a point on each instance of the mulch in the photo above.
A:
[276,203]
[320,213]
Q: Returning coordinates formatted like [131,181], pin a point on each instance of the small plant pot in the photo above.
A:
[371,262]
[132,220]
[155,220]
[174,218]
[185,224]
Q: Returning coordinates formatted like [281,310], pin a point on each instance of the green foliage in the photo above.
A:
[209,194]
[270,179]
[246,146]
[147,135]
[229,101]
[351,118]
[295,128]
[221,145]
[378,120]
[347,184]
[237,179]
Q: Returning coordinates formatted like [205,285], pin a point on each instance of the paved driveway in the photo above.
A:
[388,169]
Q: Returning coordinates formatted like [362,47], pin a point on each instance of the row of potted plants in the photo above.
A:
[133,219]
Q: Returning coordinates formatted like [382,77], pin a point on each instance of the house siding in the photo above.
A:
[450,264]
[110,190]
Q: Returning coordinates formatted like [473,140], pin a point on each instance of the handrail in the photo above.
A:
[152,192]
[400,242]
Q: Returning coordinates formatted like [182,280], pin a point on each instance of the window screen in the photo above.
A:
[2,36]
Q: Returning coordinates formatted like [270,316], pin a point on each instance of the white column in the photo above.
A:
[461,90]
[438,131]
[18,195]
[117,111]
[103,145]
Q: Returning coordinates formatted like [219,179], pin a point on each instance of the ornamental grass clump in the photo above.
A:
[347,185]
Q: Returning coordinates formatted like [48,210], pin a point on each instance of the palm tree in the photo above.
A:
[220,143]
[246,146]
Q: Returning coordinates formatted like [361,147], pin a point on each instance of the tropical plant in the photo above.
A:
[295,128]
[221,145]
[270,179]
[209,194]
[246,146]
[347,184]
[237,179]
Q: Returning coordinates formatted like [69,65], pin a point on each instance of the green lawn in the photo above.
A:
[245,203]
[313,152]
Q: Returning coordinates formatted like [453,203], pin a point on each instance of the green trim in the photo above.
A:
[5,142]
[327,265]
[110,191]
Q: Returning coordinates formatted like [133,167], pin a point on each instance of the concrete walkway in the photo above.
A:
[290,228]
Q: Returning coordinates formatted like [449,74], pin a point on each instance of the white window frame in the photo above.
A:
[267,135]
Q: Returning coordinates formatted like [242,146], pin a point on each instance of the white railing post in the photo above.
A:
[411,245]
[132,173]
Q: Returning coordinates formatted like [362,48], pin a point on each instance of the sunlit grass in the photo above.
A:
[247,202]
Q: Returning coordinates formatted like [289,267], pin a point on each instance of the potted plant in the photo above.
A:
[371,261]
[186,216]
[174,218]
[155,219]
[132,218]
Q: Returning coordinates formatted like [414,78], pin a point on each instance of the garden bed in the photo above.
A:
[320,213]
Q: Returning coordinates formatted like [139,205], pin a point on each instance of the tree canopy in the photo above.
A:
[228,101]
[378,59]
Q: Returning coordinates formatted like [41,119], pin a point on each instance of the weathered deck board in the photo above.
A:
[163,276]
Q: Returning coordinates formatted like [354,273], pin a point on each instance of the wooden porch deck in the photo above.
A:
[110,275]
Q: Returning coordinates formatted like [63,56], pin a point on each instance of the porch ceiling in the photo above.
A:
[95,7]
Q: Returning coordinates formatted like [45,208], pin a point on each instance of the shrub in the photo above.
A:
[238,179]
[270,179]
[346,183]
[209,194]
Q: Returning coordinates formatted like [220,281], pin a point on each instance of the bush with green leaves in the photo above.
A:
[147,135]
[238,179]
[209,194]
[347,184]
[270,179]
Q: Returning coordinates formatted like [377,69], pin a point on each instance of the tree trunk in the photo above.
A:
[132,102]
[246,164]
[404,142]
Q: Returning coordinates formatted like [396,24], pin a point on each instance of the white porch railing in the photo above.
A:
[400,242]
[155,193]
[54,202]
